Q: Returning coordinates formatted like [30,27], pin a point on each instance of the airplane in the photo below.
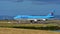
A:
[35,18]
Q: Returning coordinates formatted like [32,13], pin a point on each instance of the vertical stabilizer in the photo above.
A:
[51,13]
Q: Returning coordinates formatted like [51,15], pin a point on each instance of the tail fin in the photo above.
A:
[51,13]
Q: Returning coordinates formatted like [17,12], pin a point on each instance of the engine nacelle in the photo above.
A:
[44,19]
[35,19]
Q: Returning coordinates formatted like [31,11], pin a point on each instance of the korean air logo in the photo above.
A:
[51,13]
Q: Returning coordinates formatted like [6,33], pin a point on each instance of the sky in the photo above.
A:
[29,7]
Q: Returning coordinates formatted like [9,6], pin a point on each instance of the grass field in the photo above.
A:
[25,31]
[15,28]
[51,25]
[31,26]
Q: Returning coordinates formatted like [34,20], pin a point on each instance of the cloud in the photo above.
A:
[13,0]
[45,1]
[18,0]
[37,1]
